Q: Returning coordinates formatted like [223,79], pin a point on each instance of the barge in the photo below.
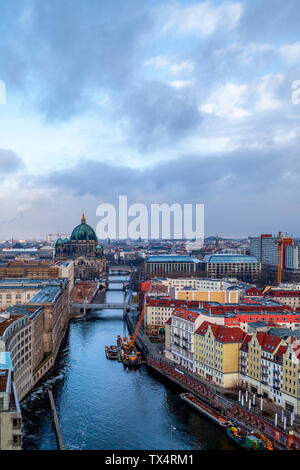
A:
[205,409]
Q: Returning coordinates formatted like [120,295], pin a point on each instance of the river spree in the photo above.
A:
[102,405]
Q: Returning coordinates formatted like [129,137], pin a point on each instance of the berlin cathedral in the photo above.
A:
[82,248]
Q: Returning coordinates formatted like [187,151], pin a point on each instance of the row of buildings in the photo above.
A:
[251,342]
[212,265]
[263,359]
[31,334]
[34,316]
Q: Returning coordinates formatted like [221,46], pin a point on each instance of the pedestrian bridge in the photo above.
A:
[104,306]
[120,268]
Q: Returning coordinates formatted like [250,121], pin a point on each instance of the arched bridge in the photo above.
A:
[120,268]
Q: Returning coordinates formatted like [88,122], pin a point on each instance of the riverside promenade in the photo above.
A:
[260,415]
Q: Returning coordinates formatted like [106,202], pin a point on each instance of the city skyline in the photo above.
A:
[175,102]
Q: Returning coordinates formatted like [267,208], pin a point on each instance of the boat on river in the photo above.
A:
[248,440]
[205,409]
[111,352]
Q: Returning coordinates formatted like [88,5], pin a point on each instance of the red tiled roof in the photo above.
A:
[254,291]
[246,340]
[268,342]
[223,333]
[284,293]
[185,314]
[281,350]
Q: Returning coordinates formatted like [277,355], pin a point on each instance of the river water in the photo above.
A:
[102,405]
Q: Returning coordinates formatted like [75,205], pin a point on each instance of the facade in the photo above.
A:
[34,333]
[217,351]
[241,266]
[171,265]
[159,311]
[223,296]
[262,365]
[292,257]
[285,297]
[83,248]
[16,338]
[54,299]
[184,323]
[195,283]
[265,249]
[32,269]
[17,291]
[10,412]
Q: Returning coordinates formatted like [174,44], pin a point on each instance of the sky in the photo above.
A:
[162,101]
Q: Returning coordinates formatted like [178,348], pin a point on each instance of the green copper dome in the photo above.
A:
[59,241]
[83,232]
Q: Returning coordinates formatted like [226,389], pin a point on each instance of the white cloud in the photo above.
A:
[226,101]
[170,63]
[179,84]
[245,53]
[291,53]
[203,18]
[265,91]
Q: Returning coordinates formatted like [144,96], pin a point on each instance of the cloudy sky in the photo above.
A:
[163,101]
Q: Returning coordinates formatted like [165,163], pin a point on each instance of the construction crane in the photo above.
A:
[128,346]
[282,242]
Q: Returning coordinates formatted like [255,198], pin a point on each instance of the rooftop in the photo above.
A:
[229,258]
[172,259]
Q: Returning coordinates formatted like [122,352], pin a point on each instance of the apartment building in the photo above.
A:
[16,338]
[159,310]
[184,323]
[10,412]
[216,356]
[285,296]
[292,257]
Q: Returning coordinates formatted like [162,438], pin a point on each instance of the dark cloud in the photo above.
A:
[62,53]
[159,114]
[243,191]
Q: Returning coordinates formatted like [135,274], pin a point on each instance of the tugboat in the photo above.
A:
[132,359]
[248,440]
[205,409]
[128,353]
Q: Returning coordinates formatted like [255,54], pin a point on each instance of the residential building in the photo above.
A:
[184,323]
[16,338]
[158,311]
[10,412]
[217,351]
